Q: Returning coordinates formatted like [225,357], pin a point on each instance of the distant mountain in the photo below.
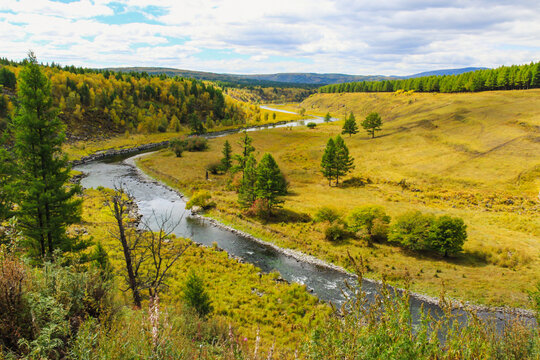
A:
[445,72]
[309,80]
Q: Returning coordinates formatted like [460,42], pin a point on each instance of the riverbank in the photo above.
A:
[481,310]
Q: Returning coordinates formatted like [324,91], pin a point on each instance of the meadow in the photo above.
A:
[475,156]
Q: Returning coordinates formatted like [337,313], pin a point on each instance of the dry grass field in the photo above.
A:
[476,156]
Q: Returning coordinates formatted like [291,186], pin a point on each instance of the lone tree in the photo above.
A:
[271,183]
[336,161]
[447,235]
[350,127]
[372,123]
[195,295]
[47,204]
[226,161]
[327,117]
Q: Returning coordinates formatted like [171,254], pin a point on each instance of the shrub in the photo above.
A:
[202,199]
[356,181]
[259,209]
[177,146]
[326,213]
[367,218]
[447,235]
[335,232]
[311,125]
[196,143]
[411,230]
[215,168]
[195,295]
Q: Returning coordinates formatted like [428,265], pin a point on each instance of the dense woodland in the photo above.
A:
[136,102]
[503,78]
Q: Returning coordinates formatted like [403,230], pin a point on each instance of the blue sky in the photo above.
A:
[390,37]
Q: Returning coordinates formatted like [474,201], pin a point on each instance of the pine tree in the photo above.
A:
[327,117]
[226,161]
[7,175]
[350,127]
[247,149]
[343,163]
[328,160]
[196,125]
[47,205]
[372,123]
[195,295]
[270,184]
[246,192]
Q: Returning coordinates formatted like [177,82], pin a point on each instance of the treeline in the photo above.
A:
[503,78]
[136,102]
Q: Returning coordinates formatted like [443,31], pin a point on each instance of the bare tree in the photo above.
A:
[148,255]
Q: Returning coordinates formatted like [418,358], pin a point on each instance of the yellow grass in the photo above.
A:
[475,156]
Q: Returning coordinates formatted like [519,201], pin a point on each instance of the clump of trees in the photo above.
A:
[503,78]
[336,161]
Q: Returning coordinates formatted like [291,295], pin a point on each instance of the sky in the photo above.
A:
[387,37]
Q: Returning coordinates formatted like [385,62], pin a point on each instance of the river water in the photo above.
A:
[156,201]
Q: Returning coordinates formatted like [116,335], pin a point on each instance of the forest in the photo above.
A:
[133,102]
[503,78]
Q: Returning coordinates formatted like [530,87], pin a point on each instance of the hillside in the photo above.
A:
[284,79]
[474,156]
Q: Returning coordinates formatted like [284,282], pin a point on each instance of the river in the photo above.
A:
[156,200]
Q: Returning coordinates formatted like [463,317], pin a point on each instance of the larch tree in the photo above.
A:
[246,192]
[226,161]
[47,204]
[328,160]
[271,183]
[349,126]
[372,123]
[247,149]
[343,162]
[327,117]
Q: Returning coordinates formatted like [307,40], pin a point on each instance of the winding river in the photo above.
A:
[155,200]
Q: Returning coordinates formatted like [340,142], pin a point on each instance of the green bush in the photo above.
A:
[411,230]
[326,213]
[195,295]
[202,199]
[196,143]
[447,235]
[335,232]
[177,146]
[311,125]
[369,218]
[215,168]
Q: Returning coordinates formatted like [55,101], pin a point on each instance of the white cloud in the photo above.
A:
[361,37]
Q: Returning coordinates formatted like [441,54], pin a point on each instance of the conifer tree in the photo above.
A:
[226,161]
[7,174]
[372,123]
[247,149]
[196,125]
[328,160]
[327,117]
[343,163]
[47,205]
[195,295]
[246,192]
[270,184]
[350,127]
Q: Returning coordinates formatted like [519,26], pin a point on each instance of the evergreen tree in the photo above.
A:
[196,125]
[343,163]
[270,184]
[328,160]
[327,117]
[372,123]
[350,127]
[246,192]
[47,205]
[7,78]
[247,149]
[226,161]
[7,174]
[195,295]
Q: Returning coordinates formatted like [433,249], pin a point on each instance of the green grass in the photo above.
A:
[240,296]
[469,155]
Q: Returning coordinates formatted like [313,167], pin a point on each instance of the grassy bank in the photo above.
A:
[467,155]
[240,295]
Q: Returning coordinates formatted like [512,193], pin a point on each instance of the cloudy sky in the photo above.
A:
[390,37]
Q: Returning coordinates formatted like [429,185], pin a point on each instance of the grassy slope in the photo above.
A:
[241,297]
[471,155]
